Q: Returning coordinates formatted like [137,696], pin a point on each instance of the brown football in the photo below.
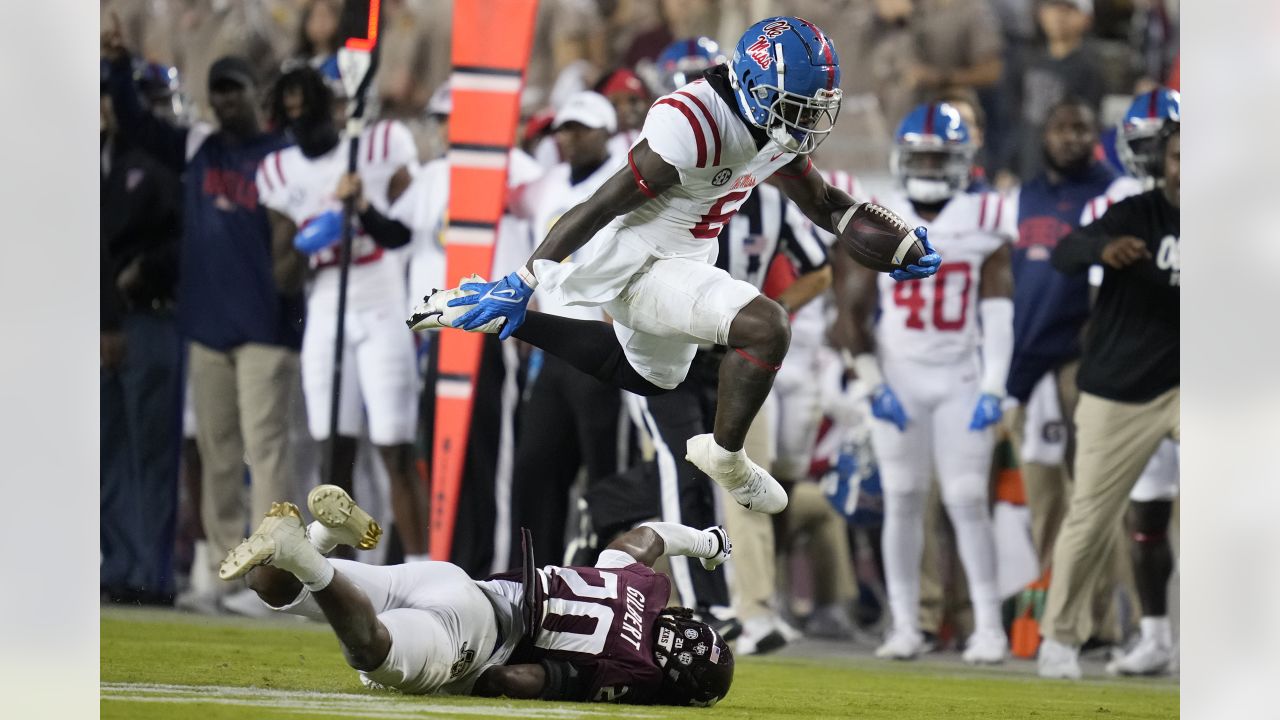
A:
[875,236]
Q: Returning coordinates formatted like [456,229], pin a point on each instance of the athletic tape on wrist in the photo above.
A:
[527,276]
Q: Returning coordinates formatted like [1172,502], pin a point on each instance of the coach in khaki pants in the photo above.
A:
[246,399]
[1129,392]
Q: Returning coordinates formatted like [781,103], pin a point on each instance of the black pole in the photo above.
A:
[355,127]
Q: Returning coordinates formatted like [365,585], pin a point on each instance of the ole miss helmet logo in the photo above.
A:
[759,50]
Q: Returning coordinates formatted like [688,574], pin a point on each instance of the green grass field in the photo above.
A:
[173,666]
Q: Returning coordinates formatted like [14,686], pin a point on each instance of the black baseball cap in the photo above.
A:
[231,68]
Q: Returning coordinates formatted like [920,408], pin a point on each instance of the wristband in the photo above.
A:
[527,277]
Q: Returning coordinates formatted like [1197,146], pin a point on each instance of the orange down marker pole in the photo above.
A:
[491,41]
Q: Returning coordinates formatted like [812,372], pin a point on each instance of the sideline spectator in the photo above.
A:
[1129,393]
[1064,67]
[1050,310]
[239,307]
[141,375]
[319,36]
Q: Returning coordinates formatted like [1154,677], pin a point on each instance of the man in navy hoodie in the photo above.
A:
[239,299]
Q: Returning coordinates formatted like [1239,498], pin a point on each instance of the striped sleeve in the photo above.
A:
[799,242]
[270,180]
[997,214]
[682,130]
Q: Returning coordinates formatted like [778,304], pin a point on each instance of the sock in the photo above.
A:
[322,537]
[320,579]
[424,557]
[975,541]
[683,540]
[588,345]
[902,546]
[1158,629]
[725,462]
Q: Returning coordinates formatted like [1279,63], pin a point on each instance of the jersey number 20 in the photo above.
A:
[572,631]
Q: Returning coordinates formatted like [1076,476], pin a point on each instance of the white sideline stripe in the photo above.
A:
[458,389]
[478,159]
[485,83]
[351,704]
[454,235]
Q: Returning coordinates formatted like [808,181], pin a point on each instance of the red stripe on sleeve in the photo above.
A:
[386,139]
[982,212]
[368,155]
[280,170]
[999,212]
[700,141]
[266,176]
[715,129]
[640,183]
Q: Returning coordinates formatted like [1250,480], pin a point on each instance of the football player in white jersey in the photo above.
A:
[702,149]
[304,186]
[942,348]
[1151,118]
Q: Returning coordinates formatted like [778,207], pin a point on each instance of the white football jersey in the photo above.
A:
[698,133]
[301,188]
[545,201]
[935,320]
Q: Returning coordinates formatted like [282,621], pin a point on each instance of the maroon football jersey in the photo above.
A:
[601,620]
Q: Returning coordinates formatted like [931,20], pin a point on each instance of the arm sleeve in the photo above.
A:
[565,681]
[997,343]
[1083,247]
[799,241]
[385,231]
[167,143]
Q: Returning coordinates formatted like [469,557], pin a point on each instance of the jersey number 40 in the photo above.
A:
[911,295]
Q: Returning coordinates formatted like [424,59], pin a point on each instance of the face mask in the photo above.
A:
[314,137]
[924,190]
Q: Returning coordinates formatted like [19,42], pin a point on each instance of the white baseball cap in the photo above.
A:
[590,109]
[1084,6]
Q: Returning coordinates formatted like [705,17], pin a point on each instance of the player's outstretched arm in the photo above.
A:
[995,308]
[801,182]
[646,176]
[520,682]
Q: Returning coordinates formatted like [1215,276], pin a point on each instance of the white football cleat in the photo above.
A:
[901,645]
[725,548]
[1148,657]
[988,647]
[280,540]
[748,483]
[1058,661]
[434,311]
[347,521]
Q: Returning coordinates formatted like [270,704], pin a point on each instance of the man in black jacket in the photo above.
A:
[1129,392]
[141,369]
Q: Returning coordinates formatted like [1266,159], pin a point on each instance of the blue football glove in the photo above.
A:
[885,406]
[507,298]
[925,266]
[986,413]
[320,232]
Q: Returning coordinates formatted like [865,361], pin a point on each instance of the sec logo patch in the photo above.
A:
[721,177]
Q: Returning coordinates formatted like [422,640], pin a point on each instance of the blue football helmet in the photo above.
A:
[786,74]
[685,60]
[1151,118]
[932,153]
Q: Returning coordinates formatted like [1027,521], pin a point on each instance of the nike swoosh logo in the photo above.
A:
[505,293]
[775,157]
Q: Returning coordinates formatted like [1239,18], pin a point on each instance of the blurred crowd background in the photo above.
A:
[1010,62]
